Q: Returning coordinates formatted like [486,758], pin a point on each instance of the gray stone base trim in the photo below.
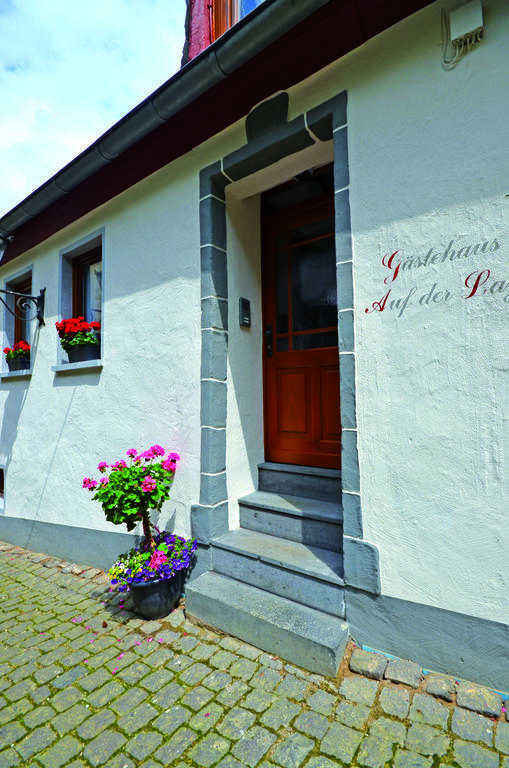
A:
[437,639]
[202,562]
[84,546]
[208,522]
[352,519]
[361,564]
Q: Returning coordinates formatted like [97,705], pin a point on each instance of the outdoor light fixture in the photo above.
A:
[24,304]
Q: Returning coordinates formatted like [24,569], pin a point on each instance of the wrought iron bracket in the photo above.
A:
[26,304]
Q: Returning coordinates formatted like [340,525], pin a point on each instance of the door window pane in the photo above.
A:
[281,292]
[316,340]
[279,240]
[282,344]
[313,271]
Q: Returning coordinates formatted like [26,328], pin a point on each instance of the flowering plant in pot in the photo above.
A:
[79,338]
[128,492]
[18,357]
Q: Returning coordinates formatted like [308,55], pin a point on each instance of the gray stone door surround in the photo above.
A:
[270,138]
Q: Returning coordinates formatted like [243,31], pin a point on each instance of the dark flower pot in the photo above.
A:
[84,352]
[156,599]
[19,363]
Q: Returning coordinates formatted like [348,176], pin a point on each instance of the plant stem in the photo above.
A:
[149,541]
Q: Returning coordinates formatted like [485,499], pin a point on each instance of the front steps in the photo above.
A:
[277,581]
[295,632]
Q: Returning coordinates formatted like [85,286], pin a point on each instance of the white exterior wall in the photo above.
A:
[55,428]
[426,151]
[427,165]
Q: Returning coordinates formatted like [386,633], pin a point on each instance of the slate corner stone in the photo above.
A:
[369,664]
[403,671]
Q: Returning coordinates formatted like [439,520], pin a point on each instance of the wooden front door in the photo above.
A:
[301,360]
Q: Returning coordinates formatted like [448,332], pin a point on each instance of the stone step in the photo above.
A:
[310,521]
[299,634]
[296,480]
[307,575]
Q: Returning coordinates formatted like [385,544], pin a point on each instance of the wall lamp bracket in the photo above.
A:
[24,305]
[4,242]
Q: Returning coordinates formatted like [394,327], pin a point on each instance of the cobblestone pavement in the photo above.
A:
[84,682]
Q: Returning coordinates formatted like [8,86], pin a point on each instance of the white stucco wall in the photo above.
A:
[55,428]
[244,445]
[427,162]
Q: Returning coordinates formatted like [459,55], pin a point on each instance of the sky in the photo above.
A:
[69,70]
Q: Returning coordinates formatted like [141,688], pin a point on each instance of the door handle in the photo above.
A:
[269,341]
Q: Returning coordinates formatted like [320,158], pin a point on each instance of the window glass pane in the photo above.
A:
[26,309]
[315,340]
[92,292]
[281,292]
[246,6]
[282,344]
[313,270]
[313,229]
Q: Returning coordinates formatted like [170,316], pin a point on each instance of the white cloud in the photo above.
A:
[70,70]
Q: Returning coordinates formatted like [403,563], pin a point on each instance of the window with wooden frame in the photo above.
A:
[87,285]
[226,13]
[81,290]
[18,321]
[22,330]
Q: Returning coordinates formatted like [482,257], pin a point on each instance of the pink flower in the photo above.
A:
[102,466]
[119,464]
[157,559]
[174,457]
[149,484]
[168,465]
[157,450]
[89,483]
[131,452]
[104,481]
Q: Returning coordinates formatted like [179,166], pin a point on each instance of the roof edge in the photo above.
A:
[236,47]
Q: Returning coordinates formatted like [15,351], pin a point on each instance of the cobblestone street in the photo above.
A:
[84,682]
